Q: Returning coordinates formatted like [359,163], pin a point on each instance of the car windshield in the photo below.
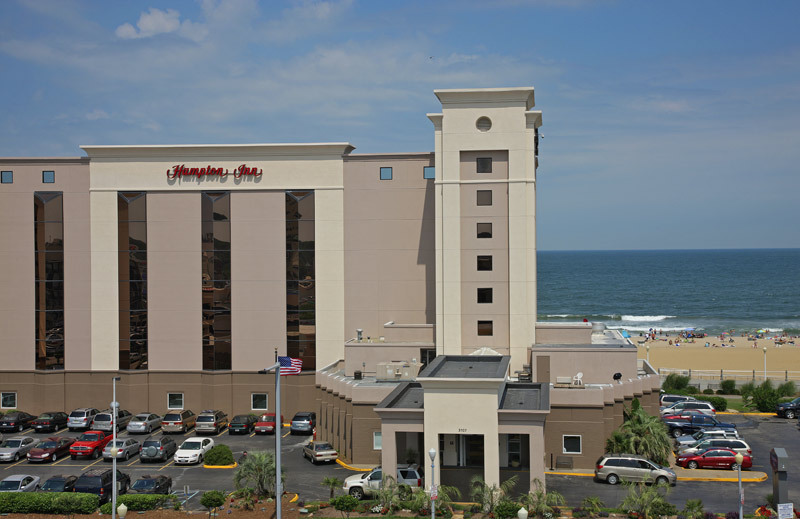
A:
[152,443]
[88,437]
[47,445]
[9,485]
[142,417]
[144,483]
[77,414]
[172,417]
[11,444]
[120,443]
[45,416]
[323,447]
[240,418]
[89,481]
[102,418]
[205,418]
[54,484]
[267,418]
[190,446]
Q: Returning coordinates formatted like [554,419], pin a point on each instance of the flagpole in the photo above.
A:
[278,433]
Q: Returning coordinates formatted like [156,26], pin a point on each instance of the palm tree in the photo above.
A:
[648,436]
[488,496]
[332,482]
[258,470]
[539,503]
[618,442]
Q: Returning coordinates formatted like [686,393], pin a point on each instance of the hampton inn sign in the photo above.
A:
[181,171]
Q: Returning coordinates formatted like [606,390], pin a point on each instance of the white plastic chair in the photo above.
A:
[577,380]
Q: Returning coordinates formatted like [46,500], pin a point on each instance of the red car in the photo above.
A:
[50,449]
[714,458]
[686,414]
[266,423]
[90,443]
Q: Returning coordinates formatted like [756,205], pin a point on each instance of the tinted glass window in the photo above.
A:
[484,230]
[484,262]
[386,173]
[205,418]
[484,165]
[172,417]
[612,462]
[484,197]
[429,172]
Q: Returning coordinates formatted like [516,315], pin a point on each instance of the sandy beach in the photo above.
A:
[738,355]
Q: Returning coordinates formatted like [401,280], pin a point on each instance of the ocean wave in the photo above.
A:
[645,328]
[646,318]
[581,317]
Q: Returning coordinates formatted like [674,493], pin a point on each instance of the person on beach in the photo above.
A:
[706,344]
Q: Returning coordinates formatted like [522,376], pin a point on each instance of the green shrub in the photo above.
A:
[787,389]
[728,387]
[708,391]
[212,499]
[691,390]
[675,382]
[220,454]
[506,509]
[137,502]
[663,508]
[765,397]
[694,509]
[719,403]
[48,503]
[345,504]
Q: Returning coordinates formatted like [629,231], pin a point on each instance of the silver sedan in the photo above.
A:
[144,423]
[20,483]
[16,448]
[125,449]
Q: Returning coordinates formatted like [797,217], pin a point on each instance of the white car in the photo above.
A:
[192,451]
[20,483]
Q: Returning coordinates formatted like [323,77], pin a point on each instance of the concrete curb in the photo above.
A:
[221,466]
[350,467]
[746,414]
[756,477]
[580,474]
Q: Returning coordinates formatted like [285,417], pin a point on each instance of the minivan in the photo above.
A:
[304,421]
[613,468]
[81,418]
[178,421]
[734,444]
[703,407]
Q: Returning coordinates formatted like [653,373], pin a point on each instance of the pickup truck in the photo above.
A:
[90,444]
[679,428]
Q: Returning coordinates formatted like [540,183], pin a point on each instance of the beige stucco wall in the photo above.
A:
[563,333]
[598,365]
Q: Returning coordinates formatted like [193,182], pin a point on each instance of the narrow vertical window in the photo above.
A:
[49,268]
[216,282]
[6,177]
[301,317]
[484,197]
[48,177]
[386,173]
[132,253]
[429,172]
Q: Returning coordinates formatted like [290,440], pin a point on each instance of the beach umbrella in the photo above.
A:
[762,331]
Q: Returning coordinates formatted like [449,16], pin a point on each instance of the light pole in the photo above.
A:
[278,484]
[739,458]
[765,363]
[114,407]
[432,456]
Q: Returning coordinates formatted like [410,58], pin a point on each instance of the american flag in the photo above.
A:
[290,366]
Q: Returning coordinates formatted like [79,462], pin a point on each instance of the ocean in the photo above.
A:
[671,290]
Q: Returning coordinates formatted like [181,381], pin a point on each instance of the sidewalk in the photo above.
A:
[748,476]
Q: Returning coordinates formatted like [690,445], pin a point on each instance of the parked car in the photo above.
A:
[101,481]
[81,418]
[50,449]
[193,451]
[613,468]
[15,448]
[152,485]
[159,448]
[104,421]
[319,451]
[365,484]
[667,399]
[704,434]
[686,414]
[16,421]
[90,444]
[304,421]
[59,483]
[20,483]
[678,428]
[125,449]
[143,423]
[713,458]
[676,408]
[266,423]
[788,410]
[52,421]
[211,421]
[733,444]
[178,421]
[242,424]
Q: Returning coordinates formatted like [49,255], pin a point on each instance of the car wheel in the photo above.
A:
[312,460]
[20,427]
[677,433]
[200,461]
[16,457]
[53,457]
[357,493]
[612,479]
[661,480]
[127,455]
[95,454]
[692,465]
[734,466]
[790,414]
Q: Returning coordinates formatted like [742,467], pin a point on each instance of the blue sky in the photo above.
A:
[666,124]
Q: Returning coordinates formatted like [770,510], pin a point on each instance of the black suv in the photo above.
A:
[100,482]
[152,485]
[789,410]
[157,448]
[242,423]
[60,483]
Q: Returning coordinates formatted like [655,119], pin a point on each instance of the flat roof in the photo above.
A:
[467,366]
[525,396]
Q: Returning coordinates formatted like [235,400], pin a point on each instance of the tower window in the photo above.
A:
[386,173]
[484,197]
[484,164]
[484,295]
[485,328]
[484,230]
[484,262]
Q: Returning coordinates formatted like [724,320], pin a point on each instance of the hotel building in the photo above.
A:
[405,282]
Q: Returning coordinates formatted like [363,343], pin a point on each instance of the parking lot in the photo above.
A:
[301,476]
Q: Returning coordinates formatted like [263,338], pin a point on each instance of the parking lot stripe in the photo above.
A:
[131,463]
[17,463]
[167,465]
[93,463]
[28,431]
[62,460]
[253,434]
[287,434]
[221,433]
[188,433]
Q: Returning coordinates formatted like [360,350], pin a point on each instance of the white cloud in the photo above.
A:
[155,22]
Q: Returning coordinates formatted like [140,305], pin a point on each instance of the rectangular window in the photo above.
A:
[514,448]
[7,177]
[484,295]
[484,262]
[174,400]
[484,165]
[485,328]
[8,400]
[48,177]
[300,285]
[572,444]
[132,275]
[258,401]
[215,237]
[429,172]
[484,230]
[377,441]
[48,238]
[484,197]
[386,173]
